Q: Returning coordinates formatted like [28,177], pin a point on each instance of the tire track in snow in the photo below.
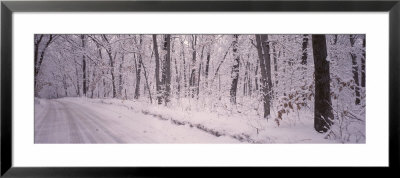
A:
[75,135]
[43,128]
[95,117]
[92,122]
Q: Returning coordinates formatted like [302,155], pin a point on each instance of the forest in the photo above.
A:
[256,88]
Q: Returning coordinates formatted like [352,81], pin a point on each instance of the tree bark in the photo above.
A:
[207,64]
[78,90]
[157,72]
[84,87]
[65,85]
[192,79]
[363,64]
[304,50]
[264,79]
[355,70]
[323,115]
[147,83]
[139,69]
[121,82]
[235,69]
[184,68]
[199,72]
[111,61]
[267,58]
[275,56]
[167,68]
[38,62]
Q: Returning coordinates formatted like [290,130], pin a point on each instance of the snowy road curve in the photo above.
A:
[74,121]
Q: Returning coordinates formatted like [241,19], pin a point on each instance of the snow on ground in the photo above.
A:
[77,120]
[246,129]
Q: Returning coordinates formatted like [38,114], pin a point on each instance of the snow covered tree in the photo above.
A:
[166,74]
[265,66]
[157,69]
[353,55]
[235,69]
[323,115]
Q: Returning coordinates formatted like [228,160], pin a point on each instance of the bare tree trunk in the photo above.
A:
[199,72]
[84,87]
[166,75]
[37,43]
[157,72]
[78,90]
[323,115]
[246,79]
[363,64]
[93,84]
[65,85]
[184,68]
[207,64]
[264,79]
[235,69]
[267,58]
[111,61]
[147,83]
[255,74]
[139,69]
[192,80]
[178,77]
[114,93]
[39,59]
[355,70]
[275,65]
[304,50]
[121,82]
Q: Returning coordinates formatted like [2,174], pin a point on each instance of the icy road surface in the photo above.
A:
[69,121]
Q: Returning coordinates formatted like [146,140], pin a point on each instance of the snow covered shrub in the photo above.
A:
[294,101]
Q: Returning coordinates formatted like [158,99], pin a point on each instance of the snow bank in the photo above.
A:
[245,128]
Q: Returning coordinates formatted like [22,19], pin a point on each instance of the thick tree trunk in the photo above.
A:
[207,65]
[355,70]
[111,61]
[235,69]
[177,78]
[139,69]
[167,68]
[275,56]
[121,82]
[323,115]
[78,90]
[84,86]
[184,69]
[304,50]
[363,64]
[93,83]
[157,72]
[147,83]
[256,74]
[199,73]
[65,85]
[264,78]
[267,58]
[192,79]
[114,93]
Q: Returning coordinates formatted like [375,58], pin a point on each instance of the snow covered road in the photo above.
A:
[74,121]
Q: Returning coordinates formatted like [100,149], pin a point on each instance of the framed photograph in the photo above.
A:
[104,88]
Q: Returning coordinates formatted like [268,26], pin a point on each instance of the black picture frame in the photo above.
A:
[8,7]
